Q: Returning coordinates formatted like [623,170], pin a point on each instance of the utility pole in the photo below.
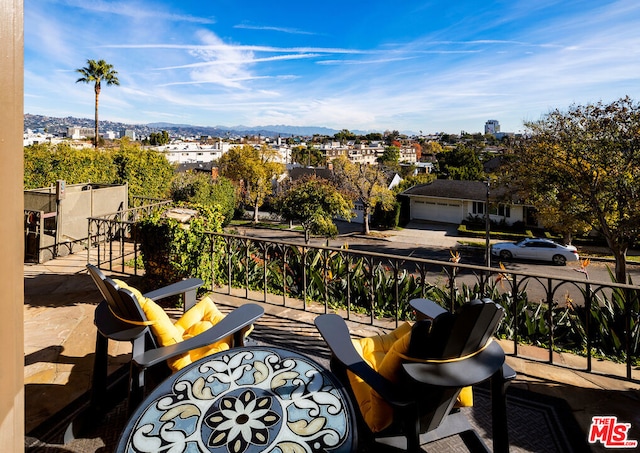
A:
[487,227]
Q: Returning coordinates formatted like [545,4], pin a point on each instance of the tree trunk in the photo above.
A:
[255,213]
[620,255]
[95,138]
[365,224]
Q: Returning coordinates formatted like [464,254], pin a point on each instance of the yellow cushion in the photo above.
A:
[385,354]
[196,320]
[161,325]
[376,413]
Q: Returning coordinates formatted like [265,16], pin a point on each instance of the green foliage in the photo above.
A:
[308,156]
[200,188]
[158,138]
[365,183]
[252,171]
[147,171]
[313,202]
[413,180]
[591,160]
[172,250]
[389,218]
[390,158]
[461,163]
[44,164]
[97,72]
[344,135]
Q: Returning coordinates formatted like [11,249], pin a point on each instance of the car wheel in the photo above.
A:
[559,260]
[506,255]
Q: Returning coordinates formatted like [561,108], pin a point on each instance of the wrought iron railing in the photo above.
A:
[558,313]
[112,239]
[555,312]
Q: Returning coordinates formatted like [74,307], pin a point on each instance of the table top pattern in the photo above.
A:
[244,400]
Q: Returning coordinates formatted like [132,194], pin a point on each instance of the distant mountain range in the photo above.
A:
[56,125]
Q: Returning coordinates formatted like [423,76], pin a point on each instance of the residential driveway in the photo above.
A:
[426,234]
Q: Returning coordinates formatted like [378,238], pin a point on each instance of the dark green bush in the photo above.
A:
[172,250]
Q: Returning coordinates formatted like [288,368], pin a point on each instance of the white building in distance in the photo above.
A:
[491,127]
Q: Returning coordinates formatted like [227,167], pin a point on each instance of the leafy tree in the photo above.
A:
[314,202]
[461,163]
[308,156]
[390,137]
[366,183]
[202,189]
[390,158]
[586,162]
[344,135]
[147,171]
[159,138]
[96,72]
[374,136]
[432,148]
[418,148]
[253,171]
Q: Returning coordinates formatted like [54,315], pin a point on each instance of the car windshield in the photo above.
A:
[522,242]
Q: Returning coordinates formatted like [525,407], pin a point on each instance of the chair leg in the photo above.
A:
[499,384]
[99,377]
[136,387]
[97,403]
[412,427]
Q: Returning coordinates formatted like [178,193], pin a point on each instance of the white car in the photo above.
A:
[536,249]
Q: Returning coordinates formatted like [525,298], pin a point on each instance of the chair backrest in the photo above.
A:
[451,336]
[121,302]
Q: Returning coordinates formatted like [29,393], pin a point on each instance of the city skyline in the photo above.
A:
[412,66]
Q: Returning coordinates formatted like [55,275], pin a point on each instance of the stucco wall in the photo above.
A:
[11,234]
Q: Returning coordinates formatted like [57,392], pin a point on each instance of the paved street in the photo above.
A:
[434,241]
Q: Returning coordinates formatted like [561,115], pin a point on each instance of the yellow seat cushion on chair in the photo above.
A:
[375,411]
[196,320]
[385,354]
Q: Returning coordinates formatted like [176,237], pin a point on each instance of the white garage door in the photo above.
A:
[437,211]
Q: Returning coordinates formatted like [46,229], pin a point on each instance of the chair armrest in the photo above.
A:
[460,373]
[336,334]
[187,287]
[508,373]
[112,328]
[240,318]
[426,308]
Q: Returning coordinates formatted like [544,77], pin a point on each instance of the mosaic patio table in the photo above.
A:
[245,400]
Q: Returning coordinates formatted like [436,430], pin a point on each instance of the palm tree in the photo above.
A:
[96,72]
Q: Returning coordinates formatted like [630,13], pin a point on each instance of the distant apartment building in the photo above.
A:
[491,127]
[130,133]
[191,152]
[408,155]
[365,154]
[80,133]
[36,137]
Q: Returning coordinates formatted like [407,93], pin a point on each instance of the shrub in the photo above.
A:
[173,250]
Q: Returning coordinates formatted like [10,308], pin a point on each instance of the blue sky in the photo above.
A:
[431,66]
